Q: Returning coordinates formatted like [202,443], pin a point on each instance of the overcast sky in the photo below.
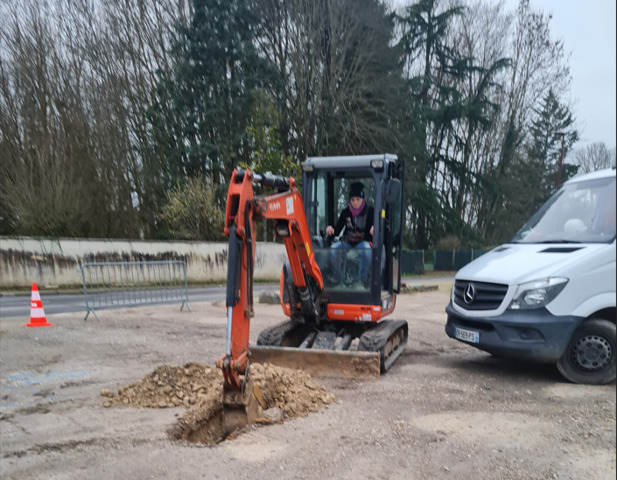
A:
[587,28]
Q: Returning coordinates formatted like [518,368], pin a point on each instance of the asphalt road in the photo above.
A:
[18,305]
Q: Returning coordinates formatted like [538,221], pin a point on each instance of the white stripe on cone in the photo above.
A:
[37,313]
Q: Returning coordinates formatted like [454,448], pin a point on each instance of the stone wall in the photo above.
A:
[56,263]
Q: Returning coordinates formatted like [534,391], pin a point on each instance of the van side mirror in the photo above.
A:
[393,188]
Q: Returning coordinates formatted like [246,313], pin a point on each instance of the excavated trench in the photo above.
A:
[198,388]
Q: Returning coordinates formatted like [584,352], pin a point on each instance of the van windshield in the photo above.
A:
[582,212]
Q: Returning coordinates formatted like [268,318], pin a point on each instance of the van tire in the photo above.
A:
[590,355]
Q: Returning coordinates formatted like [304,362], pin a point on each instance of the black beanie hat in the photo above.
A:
[356,190]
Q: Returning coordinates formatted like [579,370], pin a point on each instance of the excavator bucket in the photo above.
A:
[241,407]
[321,363]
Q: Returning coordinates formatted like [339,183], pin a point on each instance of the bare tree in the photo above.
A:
[75,79]
[334,74]
[41,123]
[592,157]
[126,54]
[539,63]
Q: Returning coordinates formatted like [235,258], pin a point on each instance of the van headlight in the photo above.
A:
[537,294]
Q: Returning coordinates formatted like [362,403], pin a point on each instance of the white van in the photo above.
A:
[548,295]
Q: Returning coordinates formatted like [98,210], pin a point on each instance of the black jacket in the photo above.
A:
[357,230]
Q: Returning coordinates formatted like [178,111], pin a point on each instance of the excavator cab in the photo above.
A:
[346,316]
[326,185]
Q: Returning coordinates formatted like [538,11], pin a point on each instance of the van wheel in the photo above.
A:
[590,355]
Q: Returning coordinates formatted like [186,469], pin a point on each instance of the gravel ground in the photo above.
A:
[443,411]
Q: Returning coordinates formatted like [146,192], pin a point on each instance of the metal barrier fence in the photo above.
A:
[129,284]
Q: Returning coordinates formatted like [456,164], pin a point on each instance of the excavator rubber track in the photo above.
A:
[341,349]
[288,333]
[388,338]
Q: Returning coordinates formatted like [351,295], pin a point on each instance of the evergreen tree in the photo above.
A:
[552,124]
[199,123]
[432,61]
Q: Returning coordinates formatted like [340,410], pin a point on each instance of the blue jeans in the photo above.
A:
[339,249]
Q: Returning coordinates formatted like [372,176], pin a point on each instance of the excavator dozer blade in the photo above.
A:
[241,408]
[321,363]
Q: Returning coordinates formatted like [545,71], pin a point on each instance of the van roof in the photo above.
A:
[605,173]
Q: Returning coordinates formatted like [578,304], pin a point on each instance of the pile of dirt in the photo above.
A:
[292,392]
[287,393]
[169,386]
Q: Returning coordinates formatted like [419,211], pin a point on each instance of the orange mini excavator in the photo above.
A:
[335,324]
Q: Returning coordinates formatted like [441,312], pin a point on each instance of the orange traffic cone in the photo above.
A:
[37,314]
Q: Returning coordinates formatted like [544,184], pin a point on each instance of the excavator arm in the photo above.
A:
[241,398]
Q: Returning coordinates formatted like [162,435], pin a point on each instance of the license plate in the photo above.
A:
[467,335]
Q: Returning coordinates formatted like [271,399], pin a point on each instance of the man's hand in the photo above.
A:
[370,231]
[329,230]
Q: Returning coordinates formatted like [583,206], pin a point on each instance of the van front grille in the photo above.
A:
[479,295]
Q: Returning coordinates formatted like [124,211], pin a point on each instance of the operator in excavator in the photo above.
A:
[357,220]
